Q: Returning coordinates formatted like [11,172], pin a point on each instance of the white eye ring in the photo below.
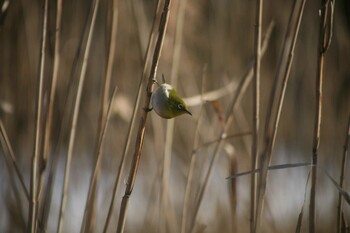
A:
[180,106]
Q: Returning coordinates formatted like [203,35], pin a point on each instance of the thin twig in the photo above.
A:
[270,136]
[323,45]
[38,130]
[272,167]
[132,121]
[341,181]
[341,191]
[142,124]
[75,116]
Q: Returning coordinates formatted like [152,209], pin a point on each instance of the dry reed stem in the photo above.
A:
[90,208]
[14,172]
[189,182]
[211,95]
[51,103]
[52,91]
[225,137]
[64,124]
[300,217]
[323,45]
[195,147]
[141,25]
[169,224]
[11,159]
[142,124]
[256,112]
[341,181]
[232,189]
[93,181]
[228,120]
[132,121]
[33,203]
[241,121]
[266,156]
[75,116]
[272,167]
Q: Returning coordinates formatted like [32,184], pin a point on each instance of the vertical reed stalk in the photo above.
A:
[132,121]
[142,124]
[64,125]
[14,173]
[241,89]
[11,159]
[342,172]
[171,122]
[195,147]
[33,204]
[256,111]
[75,116]
[323,45]
[282,72]
[90,207]
[99,148]
[49,115]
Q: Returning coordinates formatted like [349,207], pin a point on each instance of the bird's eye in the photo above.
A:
[180,106]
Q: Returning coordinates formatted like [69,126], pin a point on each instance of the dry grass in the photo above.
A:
[249,84]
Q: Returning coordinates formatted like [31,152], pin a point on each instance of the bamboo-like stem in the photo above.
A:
[75,116]
[51,103]
[90,207]
[132,121]
[265,159]
[142,124]
[98,159]
[33,203]
[171,122]
[323,45]
[242,87]
[256,111]
[341,181]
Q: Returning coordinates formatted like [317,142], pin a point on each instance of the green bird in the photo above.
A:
[166,103]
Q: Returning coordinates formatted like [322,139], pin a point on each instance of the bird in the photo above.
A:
[166,102]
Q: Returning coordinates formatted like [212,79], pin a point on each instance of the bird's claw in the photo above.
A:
[147,109]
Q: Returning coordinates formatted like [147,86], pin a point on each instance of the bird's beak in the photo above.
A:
[188,112]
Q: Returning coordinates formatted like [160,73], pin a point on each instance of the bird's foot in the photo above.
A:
[147,109]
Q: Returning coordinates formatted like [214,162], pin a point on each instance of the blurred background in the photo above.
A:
[209,46]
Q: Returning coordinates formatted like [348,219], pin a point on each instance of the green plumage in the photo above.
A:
[166,103]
